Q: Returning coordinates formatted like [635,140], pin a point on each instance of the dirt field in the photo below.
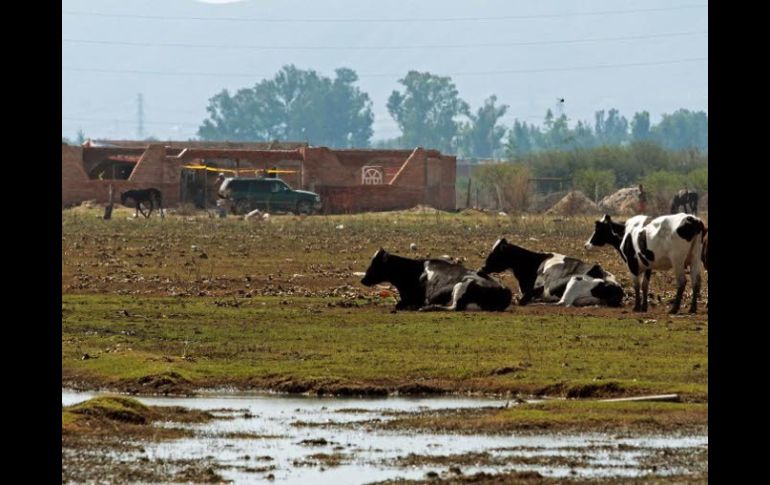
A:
[189,302]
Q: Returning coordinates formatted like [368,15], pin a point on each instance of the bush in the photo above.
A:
[595,183]
[661,187]
[508,183]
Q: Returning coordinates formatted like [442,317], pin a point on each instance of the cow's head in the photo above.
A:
[497,261]
[605,232]
[376,272]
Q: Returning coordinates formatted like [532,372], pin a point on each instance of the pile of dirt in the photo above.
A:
[423,209]
[542,203]
[623,202]
[573,203]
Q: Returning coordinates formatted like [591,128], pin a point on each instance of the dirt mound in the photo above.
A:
[573,203]
[542,203]
[422,209]
[164,383]
[623,202]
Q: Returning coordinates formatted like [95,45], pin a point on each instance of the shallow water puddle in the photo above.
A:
[298,440]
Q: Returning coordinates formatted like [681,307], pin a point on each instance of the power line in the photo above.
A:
[113,120]
[466,73]
[381,20]
[404,47]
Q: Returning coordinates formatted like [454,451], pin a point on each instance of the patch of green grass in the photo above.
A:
[301,344]
[114,408]
[566,415]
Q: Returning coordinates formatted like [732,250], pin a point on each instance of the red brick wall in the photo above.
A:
[362,198]
[423,177]
[151,171]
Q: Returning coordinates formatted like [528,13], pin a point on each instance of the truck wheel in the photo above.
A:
[304,207]
[242,207]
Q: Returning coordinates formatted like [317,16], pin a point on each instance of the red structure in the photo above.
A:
[347,180]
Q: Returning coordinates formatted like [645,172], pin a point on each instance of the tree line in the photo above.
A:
[303,105]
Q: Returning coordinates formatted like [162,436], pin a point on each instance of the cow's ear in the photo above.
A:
[503,241]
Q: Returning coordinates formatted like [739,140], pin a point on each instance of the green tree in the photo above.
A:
[683,130]
[640,126]
[295,104]
[426,111]
[612,130]
[518,141]
[482,137]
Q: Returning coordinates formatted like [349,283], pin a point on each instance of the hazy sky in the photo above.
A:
[632,55]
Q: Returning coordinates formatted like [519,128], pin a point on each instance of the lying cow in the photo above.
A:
[546,276]
[434,284]
[667,242]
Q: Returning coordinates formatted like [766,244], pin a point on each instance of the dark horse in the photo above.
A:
[147,196]
[687,200]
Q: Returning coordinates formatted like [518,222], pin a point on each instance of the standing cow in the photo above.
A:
[548,276]
[151,197]
[667,242]
[435,284]
[685,199]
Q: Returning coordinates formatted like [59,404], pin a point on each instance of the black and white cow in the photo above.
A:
[435,284]
[547,277]
[667,242]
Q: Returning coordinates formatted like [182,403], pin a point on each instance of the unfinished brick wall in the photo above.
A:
[416,176]
[151,171]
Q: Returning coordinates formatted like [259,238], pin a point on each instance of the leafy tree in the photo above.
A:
[518,141]
[482,137]
[682,130]
[426,111]
[640,126]
[295,104]
[612,130]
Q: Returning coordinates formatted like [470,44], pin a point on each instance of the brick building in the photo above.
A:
[348,180]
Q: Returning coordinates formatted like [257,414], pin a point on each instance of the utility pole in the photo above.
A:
[140,117]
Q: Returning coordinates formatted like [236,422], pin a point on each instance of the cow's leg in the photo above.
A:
[681,282]
[152,206]
[695,278]
[528,296]
[160,207]
[456,303]
[637,300]
[406,305]
[645,288]
[136,211]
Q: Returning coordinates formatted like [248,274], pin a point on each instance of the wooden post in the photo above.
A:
[468,198]
[108,208]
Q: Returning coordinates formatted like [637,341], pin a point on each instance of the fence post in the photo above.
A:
[108,208]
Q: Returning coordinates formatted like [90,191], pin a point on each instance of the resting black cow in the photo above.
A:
[434,284]
[546,276]
[147,196]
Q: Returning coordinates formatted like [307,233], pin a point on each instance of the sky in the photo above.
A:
[632,55]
